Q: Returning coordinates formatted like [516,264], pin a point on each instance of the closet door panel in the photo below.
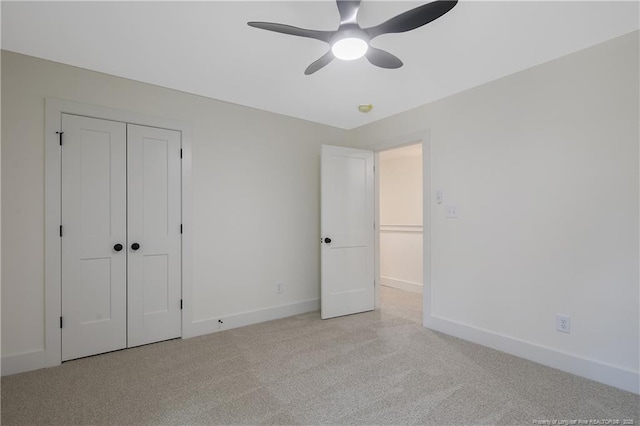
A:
[94,223]
[154,240]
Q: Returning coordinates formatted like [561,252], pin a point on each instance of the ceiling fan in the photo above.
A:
[351,41]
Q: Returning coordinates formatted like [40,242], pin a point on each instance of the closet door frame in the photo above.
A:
[54,108]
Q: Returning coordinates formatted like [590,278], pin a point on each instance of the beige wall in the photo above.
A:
[543,166]
[400,178]
[255,194]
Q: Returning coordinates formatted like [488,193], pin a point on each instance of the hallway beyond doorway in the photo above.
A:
[401,303]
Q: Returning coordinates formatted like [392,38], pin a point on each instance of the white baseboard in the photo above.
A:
[211,325]
[26,361]
[401,284]
[604,373]
[600,372]
[35,360]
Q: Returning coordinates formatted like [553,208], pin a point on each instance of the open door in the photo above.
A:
[347,231]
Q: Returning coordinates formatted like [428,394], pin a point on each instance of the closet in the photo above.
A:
[121,235]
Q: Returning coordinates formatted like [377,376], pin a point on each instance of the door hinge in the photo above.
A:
[180,304]
[60,322]
[61,230]
[181,228]
[180,152]
[60,136]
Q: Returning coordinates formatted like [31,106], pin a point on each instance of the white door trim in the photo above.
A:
[423,137]
[52,267]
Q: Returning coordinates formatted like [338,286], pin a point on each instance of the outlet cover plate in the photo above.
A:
[451,212]
[563,323]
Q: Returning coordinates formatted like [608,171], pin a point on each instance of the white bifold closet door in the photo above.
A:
[121,245]
[94,220]
[153,174]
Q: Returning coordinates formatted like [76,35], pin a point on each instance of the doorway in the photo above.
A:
[400,200]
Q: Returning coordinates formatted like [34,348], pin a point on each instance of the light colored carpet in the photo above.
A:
[379,367]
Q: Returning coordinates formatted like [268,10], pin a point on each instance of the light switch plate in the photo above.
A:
[439,196]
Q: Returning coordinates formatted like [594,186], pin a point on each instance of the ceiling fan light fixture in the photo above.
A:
[351,41]
[349,48]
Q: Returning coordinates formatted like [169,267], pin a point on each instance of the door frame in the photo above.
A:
[54,108]
[422,137]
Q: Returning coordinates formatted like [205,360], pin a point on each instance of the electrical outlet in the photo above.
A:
[451,212]
[563,323]
[280,288]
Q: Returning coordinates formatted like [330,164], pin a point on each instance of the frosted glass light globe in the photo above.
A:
[349,48]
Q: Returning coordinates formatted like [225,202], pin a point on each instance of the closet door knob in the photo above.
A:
[117,247]
[135,246]
[327,240]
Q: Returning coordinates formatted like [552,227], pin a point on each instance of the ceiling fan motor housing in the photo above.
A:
[350,31]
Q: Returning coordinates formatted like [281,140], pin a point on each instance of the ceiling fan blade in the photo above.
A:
[413,18]
[288,29]
[348,11]
[382,59]
[320,63]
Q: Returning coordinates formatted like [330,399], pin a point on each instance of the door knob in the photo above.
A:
[135,246]
[327,240]
[117,247]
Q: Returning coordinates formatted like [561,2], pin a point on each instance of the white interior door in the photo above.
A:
[94,222]
[347,234]
[154,219]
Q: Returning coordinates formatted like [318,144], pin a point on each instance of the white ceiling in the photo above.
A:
[206,48]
